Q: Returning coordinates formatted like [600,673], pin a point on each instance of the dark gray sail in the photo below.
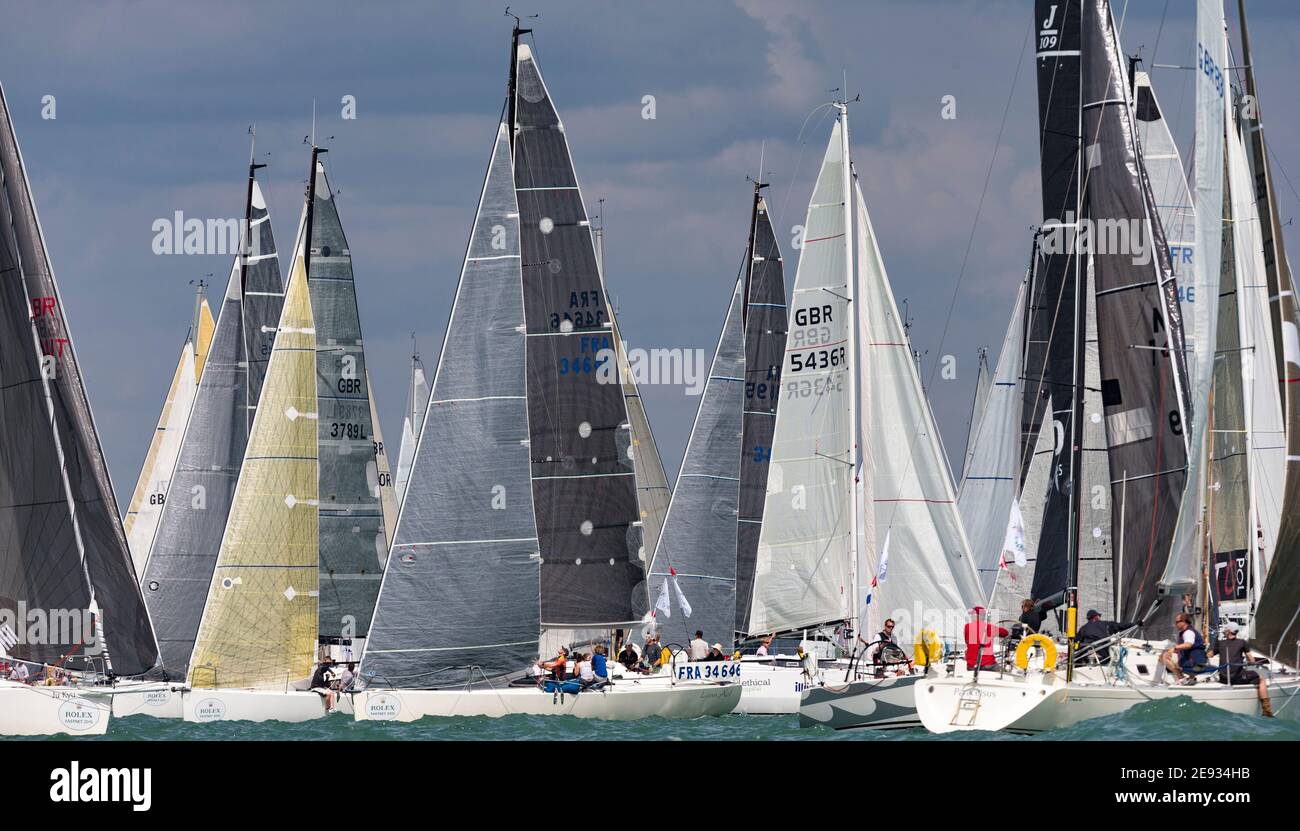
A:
[1052,341]
[461,589]
[584,483]
[1139,327]
[698,543]
[61,540]
[352,541]
[263,296]
[765,328]
[188,540]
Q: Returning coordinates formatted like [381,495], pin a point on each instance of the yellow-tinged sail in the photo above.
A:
[259,626]
[203,341]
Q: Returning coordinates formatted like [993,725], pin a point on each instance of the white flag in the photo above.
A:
[884,562]
[681,598]
[663,604]
[1013,545]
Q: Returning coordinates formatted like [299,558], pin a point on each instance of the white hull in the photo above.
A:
[154,699]
[1044,701]
[626,700]
[874,703]
[47,711]
[205,705]
[773,687]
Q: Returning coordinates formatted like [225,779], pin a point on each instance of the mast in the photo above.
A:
[244,253]
[511,102]
[856,447]
[749,250]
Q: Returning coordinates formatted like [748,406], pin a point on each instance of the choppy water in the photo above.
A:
[1159,720]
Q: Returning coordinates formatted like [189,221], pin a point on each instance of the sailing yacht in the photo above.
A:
[1200,513]
[521,527]
[62,546]
[879,464]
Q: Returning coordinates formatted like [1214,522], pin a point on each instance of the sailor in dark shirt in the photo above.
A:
[1097,629]
[1233,653]
[1032,614]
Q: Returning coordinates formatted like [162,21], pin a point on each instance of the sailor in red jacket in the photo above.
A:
[979,639]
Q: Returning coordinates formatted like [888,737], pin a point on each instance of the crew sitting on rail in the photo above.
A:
[1233,654]
[1187,656]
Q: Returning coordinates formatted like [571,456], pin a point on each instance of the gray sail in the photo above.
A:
[61,540]
[765,328]
[185,546]
[584,481]
[652,490]
[1139,328]
[352,540]
[698,544]
[188,540]
[461,589]
[263,292]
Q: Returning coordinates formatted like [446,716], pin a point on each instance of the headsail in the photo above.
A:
[61,540]
[983,384]
[461,589]
[931,578]
[259,621]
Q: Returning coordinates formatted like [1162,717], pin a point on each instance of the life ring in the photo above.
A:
[927,648]
[1049,651]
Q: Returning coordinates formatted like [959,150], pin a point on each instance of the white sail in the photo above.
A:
[1265,423]
[983,385]
[1173,199]
[1211,122]
[412,421]
[802,575]
[988,484]
[382,484]
[931,578]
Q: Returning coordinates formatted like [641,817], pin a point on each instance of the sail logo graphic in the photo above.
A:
[383,707]
[210,709]
[74,783]
[78,714]
[178,235]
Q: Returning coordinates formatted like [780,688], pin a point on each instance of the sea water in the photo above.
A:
[1149,721]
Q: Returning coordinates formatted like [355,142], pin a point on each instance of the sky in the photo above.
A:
[153,101]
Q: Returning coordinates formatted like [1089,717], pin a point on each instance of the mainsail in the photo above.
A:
[461,589]
[584,480]
[145,508]
[188,539]
[351,516]
[803,569]
[765,328]
[1142,388]
[697,550]
[259,621]
[61,540]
